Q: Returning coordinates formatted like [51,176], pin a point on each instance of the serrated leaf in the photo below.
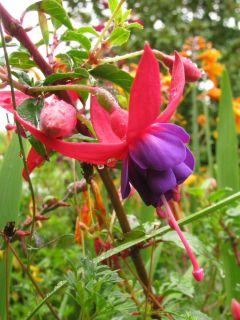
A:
[70,35]
[54,9]
[88,29]
[119,36]
[111,73]
[43,26]
[21,60]
[80,73]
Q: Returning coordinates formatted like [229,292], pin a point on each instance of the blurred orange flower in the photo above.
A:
[236,109]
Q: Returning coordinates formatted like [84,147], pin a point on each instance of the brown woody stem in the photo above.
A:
[123,221]
[14,28]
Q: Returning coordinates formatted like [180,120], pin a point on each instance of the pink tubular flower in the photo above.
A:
[235,309]
[154,153]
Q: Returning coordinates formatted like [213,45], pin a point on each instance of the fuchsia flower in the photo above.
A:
[154,153]
[235,309]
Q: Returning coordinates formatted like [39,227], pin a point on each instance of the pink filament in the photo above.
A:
[198,272]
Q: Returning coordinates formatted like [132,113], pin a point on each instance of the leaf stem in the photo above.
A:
[115,12]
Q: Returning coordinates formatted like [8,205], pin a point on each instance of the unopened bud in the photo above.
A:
[235,309]
[192,73]
[58,118]
[41,218]
[10,127]
[22,233]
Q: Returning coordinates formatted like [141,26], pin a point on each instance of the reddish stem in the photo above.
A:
[13,27]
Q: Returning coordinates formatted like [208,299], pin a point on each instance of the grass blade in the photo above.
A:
[10,191]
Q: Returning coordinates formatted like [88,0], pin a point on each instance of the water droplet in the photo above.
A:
[111,162]
[100,166]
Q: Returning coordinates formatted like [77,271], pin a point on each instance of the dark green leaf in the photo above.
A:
[119,36]
[80,73]
[70,35]
[111,73]
[54,9]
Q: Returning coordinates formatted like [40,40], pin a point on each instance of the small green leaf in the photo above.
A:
[70,35]
[38,146]
[43,26]
[21,60]
[119,36]
[134,25]
[79,73]
[78,54]
[88,29]
[81,137]
[111,73]
[30,109]
[126,14]
[54,9]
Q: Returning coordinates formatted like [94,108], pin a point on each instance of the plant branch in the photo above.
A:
[123,221]
[15,29]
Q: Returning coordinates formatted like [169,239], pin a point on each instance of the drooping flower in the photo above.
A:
[154,153]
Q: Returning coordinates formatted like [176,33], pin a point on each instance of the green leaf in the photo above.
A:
[88,29]
[54,9]
[10,190]
[134,25]
[70,35]
[59,286]
[191,218]
[111,73]
[126,14]
[30,109]
[80,73]
[43,26]
[78,54]
[21,60]
[119,36]
[228,176]
[227,144]
[112,4]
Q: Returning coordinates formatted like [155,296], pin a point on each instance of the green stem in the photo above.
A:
[123,57]
[39,291]
[195,136]
[208,140]
[193,217]
[111,102]
[115,12]
[19,130]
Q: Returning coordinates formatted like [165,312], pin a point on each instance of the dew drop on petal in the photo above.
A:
[100,166]
[111,162]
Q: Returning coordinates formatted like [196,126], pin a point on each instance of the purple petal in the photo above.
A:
[161,181]
[125,186]
[181,171]
[171,128]
[189,160]
[138,179]
[159,153]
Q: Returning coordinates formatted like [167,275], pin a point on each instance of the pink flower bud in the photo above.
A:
[235,309]
[119,120]
[41,217]
[22,233]
[58,118]
[192,73]
[10,127]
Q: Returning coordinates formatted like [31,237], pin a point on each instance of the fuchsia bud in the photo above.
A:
[10,127]
[192,73]
[58,118]
[119,120]
[197,272]
[235,309]
[41,217]
[22,233]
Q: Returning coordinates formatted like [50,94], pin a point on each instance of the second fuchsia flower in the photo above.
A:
[154,153]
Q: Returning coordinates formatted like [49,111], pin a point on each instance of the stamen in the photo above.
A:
[197,272]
